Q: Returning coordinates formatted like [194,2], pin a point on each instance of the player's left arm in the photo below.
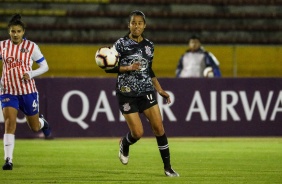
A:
[43,68]
[38,57]
[159,88]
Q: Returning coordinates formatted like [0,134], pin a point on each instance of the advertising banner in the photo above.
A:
[87,107]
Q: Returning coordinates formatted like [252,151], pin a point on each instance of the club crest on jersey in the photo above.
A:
[23,50]
[148,50]
[126,107]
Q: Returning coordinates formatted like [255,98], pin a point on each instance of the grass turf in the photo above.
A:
[198,160]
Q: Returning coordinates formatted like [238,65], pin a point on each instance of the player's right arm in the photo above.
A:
[123,69]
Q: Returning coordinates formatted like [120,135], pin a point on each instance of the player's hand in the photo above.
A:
[165,96]
[135,66]
[26,76]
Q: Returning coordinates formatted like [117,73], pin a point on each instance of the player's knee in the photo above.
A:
[137,134]
[35,128]
[158,131]
[10,126]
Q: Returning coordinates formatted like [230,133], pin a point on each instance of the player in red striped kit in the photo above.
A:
[18,89]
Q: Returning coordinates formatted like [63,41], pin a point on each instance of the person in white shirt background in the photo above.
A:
[197,62]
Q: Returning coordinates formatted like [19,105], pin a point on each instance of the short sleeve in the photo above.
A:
[37,56]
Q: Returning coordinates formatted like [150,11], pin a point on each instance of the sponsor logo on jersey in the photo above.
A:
[12,63]
[125,89]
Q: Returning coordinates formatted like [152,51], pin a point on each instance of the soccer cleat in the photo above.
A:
[121,155]
[171,173]
[8,165]
[46,128]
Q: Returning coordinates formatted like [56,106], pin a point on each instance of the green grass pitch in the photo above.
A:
[95,160]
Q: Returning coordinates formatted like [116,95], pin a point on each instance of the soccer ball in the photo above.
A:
[106,58]
[208,72]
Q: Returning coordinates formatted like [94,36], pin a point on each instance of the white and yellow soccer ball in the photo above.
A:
[208,72]
[106,57]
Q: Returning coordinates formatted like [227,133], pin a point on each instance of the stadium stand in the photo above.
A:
[170,22]
[245,35]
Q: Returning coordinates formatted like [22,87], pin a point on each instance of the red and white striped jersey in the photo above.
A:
[17,60]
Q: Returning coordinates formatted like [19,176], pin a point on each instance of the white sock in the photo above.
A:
[41,123]
[9,143]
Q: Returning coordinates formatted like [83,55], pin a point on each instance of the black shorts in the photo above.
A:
[129,104]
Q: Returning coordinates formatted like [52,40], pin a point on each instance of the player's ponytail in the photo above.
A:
[16,20]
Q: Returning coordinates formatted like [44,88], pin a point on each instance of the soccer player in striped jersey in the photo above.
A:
[18,89]
[136,85]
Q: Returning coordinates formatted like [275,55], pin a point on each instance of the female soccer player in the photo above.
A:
[136,85]
[18,90]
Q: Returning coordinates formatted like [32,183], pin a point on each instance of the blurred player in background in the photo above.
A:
[136,85]
[196,62]
[18,89]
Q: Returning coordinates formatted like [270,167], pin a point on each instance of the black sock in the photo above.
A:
[164,150]
[126,142]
